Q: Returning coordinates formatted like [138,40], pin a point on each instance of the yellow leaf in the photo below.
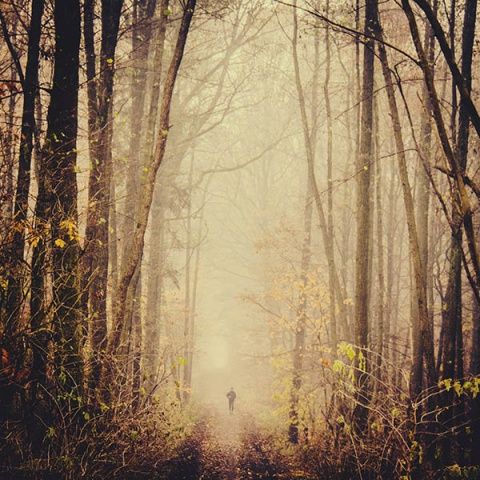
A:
[60,243]
[34,240]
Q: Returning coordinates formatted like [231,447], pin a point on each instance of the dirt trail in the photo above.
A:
[227,427]
[223,443]
[232,447]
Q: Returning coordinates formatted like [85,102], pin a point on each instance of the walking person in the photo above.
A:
[231,395]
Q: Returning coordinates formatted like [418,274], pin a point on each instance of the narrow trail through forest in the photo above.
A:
[228,446]
[222,441]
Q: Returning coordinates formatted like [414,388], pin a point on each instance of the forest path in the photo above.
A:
[228,426]
[226,446]
[223,443]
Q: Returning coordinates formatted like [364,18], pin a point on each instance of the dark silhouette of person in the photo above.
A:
[231,395]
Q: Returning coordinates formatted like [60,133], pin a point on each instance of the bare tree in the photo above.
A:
[57,220]
[145,202]
[100,104]
[362,261]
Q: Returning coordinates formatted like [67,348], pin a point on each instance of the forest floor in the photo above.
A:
[223,442]
[228,446]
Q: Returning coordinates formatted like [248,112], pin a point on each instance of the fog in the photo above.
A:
[242,241]
[280,198]
[252,171]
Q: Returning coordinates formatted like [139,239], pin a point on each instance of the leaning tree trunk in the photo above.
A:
[453,327]
[145,202]
[30,91]
[423,198]
[13,259]
[309,134]
[463,204]
[423,347]
[141,35]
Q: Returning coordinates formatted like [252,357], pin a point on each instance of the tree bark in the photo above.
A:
[363,217]
[16,292]
[463,204]
[328,112]
[57,208]
[300,322]
[145,201]
[309,137]
[423,346]
[100,103]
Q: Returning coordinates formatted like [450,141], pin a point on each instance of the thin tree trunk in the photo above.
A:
[363,217]
[16,278]
[145,201]
[423,346]
[300,320]
[453,359]
[463,205]
[328,111]
[141,36]
[423,174]
[100,102]
[381,261]
[309,136]
[155,281]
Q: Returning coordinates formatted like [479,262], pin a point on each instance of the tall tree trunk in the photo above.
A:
[61,158]
[143,11]
[423,182]
[100,103]
[145,201]
[155,281]
[309,136]
[16,292]
[363,215]
[423,345]
[453,331]
[142,32]
[328,112]
[380,310]
[468,40]
[300,322]
[57,208]
[461,200]
[11,323]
